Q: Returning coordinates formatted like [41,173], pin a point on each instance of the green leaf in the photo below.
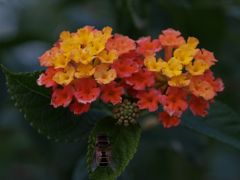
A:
[34,102]
[222,124]
[124,142]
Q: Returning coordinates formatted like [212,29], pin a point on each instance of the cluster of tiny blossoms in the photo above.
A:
[168,72]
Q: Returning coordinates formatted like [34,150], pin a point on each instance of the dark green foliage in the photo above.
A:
[124,142]
[222,124]
[34,102]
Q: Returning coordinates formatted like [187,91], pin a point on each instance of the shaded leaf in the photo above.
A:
[34,102]
[222,124]
[124,142]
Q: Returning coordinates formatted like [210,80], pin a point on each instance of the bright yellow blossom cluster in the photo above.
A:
[180,66]
[78,55]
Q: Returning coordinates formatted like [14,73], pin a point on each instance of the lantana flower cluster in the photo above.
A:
[168,72]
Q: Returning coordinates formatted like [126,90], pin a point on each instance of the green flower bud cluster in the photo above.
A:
[126,113]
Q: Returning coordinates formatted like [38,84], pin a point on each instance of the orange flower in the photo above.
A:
[62,97]
[167,120]
[201,88]
[46,58]
[149,99]
[175,101]
[206,56]
[122,44]
[86,90]
[206,86]
[217,84]
[112,93]
[125,66]
[141,80]
[198,106]
[104,74]
[147,47]
[46,78]
[79,108]
[171,37]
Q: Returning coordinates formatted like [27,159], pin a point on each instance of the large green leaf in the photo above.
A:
[222,124]
[34,102]
[124,142]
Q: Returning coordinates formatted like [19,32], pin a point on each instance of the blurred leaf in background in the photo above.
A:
[29,27]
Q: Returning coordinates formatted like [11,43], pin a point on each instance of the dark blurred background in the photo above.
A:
[29,27]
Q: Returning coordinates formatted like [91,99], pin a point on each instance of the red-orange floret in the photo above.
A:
[125,66]
[62,97]
[122,44]
[167,120]
[147,47]
[46,78]
[79,108]
[112,93]
[171,38]
[175,101]
[141,80]
[207,56]
[86,90]
[149,99]
[198,106]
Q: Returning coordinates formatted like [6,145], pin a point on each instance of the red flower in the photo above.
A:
[79,108]
[198,106]
[62,97]
[141,80]
[125,66]
[47,78]
[122,44]
[207,56]
[86,90]
[112,93]
[149,100]
[167,120]
[171,37]
[147,47]
[175,102]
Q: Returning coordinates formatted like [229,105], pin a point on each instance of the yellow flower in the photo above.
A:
[173,68]
[65,35]
[64,77]
[153,64]
[60,61]
[83,70]
[104,74]
[82,56]
[84,35]
[108,56]
[179,81]
[186,52]
[192,42]
[198,67]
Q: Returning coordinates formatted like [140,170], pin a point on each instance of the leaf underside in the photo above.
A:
[34,102]
[124,142]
